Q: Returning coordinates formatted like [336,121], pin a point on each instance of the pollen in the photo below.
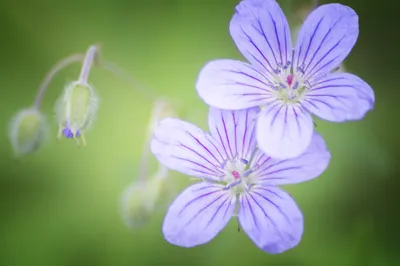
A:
[235,175]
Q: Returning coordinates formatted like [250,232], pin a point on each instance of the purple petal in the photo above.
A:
[183,147]
[235,130]
[271,218]
[230,84]
[339,97]
[325,39]
[307,166]
[261,33]
[284,131]
[198,214]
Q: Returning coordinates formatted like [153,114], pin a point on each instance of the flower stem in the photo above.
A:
[119,72]
[87,64]
[315,4]
[50,75]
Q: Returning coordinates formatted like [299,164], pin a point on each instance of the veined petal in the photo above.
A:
[307,166]
[235,130]
[261,33]
[271,218]
[230,84]
[284,131]
[325,39]
[339,97]
[183,147]
[198,214]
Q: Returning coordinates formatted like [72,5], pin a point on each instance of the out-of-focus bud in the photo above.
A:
[161,109]
[76,110]
[27,132]
[140,199]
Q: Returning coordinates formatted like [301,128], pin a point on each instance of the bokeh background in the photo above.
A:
[61,206]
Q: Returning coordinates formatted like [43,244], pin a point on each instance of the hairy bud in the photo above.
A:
[76,110]
[140,199]
[27,131]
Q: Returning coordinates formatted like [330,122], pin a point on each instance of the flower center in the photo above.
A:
[289,87]
[237,176]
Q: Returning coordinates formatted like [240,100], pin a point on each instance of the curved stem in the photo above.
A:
[50,75]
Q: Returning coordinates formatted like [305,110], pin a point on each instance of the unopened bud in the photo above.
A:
[141,197]
[27,131]
[76,110]
[161,109]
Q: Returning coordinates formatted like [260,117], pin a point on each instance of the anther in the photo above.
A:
[282,85]
[296,85]
[232,185]
[244,161]
[247,173]
[224,164]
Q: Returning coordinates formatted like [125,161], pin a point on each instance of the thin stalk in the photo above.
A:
[50,75]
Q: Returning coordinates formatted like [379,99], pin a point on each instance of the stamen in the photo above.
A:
[282,85]
[277,71]
[296,85]
[68,133]
[301,69]
[232,185]
[248,172]
[244,161]
[224,163]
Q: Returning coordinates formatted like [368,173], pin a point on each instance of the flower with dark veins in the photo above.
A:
[289,85]
[235,179]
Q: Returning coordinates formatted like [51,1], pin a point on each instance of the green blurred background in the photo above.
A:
[61,206]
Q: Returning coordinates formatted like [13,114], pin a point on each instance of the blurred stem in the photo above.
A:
[148,93]
[50,75]
[315,4]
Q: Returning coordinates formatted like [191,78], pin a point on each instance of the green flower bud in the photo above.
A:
[140,199]
[27,131]
[76,110]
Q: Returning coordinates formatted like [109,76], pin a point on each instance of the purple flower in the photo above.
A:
[237,180]
[288,84]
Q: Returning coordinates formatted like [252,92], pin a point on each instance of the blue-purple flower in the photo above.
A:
[235,179]
[288,84]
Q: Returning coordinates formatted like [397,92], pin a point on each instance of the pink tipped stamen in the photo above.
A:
[235,174]
[289,79]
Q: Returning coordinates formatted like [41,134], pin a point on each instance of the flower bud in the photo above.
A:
[76,110]
[161,109]
[27,131]
[140,199]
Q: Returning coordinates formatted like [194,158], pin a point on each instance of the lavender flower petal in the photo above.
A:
[339,97]
[235,130]
[183,147]
[261,33]
[271,218]
[325,39]
[230,84]
[198,214]
[307,166]
[284,131]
